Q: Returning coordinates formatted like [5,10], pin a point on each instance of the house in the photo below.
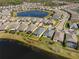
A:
[49,33]
[58,37]
[23,26]
[3,26]
[31,27]
[39,31]
[13,25]
[73,26]
[70,42]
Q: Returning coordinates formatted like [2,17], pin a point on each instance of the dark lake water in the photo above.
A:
[13,50]
[33,13]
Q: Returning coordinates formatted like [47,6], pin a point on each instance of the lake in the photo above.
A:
[14,50]
[32,13]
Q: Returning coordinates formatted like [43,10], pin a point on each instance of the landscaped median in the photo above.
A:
[46,46]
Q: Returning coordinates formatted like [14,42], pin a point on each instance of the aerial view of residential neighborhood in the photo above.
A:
[39,29]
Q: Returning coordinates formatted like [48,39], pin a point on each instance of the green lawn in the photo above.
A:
[71,0]
[45,2]
[10,2]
